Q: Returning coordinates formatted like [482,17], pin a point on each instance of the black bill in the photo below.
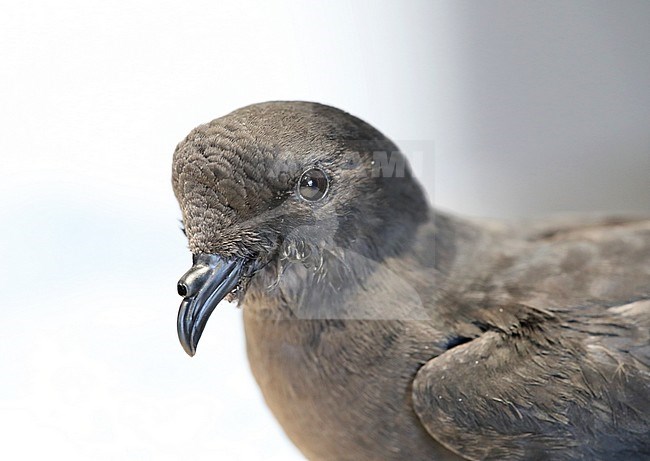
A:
[209,280]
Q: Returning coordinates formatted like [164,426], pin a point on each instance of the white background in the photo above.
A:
[534,107]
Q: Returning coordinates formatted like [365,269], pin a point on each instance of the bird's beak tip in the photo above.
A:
[189,351]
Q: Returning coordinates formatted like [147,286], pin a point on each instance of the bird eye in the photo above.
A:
[313,185]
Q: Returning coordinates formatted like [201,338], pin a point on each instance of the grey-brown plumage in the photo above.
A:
[379,329]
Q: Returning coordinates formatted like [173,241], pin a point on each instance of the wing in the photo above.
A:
[560,226]
[544,389]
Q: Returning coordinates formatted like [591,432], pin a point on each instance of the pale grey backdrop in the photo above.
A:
[533,107]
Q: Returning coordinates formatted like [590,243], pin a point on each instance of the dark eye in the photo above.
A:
[313,185]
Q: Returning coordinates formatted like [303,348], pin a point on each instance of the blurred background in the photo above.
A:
[532,107]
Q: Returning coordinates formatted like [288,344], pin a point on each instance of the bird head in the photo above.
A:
[284,181]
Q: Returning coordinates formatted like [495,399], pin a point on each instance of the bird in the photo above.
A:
[380,328]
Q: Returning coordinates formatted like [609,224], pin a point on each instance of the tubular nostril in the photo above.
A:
[192,280]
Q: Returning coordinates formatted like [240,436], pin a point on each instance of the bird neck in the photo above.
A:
[337,282]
